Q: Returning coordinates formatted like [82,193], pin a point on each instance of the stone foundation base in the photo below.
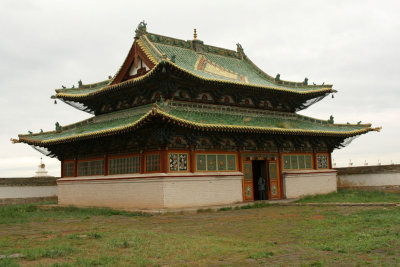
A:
[152,191]
[311,182]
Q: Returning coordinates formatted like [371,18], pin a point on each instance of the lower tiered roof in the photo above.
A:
[195,116]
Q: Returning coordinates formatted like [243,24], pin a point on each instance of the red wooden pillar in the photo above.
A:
[163,160]
[280,171]
[239,160]
[314,156]
[330,160]
[75,167]
[192,159]
[106,164]
[62,168]
[141,158]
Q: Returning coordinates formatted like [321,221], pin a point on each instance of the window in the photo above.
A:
[153,163]
[94,167]
[178,162]
[124,165]
[68,169]
[322,161]
[215,162]
[297,162]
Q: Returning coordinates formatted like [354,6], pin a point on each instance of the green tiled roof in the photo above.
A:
[197,116]
[229,60]
[209,63]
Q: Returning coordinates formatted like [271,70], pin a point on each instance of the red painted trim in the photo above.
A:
[133,52]
[126,65]
[146,177]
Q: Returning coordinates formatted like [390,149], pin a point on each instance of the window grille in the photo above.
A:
[153,163]
[297,162]
[68,169]
[215,162]
[87,168]
[124,165]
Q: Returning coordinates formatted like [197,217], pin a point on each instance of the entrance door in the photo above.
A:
[274,186]
[260,170]
[248,192]
[252,170]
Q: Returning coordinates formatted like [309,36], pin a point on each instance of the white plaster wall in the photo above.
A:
[27,191]
[298,184]
[132,193]
[144,191]
[373,179]
[202,191]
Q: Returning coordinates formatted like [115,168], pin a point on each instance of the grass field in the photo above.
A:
[352,196]
[267,235]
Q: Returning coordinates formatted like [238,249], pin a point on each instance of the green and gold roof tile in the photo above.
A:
[196,116]
[208,63]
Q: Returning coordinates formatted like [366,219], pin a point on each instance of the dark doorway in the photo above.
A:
[259,170]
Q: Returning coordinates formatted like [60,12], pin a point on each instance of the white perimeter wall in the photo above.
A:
[373,179]
[27,191]
[301,183]
[151,191]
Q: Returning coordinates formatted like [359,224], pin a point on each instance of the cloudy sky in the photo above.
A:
[353,44]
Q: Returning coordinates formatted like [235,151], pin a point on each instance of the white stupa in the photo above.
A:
[41,172]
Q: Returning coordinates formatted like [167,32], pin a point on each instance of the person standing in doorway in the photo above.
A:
[261,188]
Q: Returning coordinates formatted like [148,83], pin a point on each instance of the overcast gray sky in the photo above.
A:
[353,44]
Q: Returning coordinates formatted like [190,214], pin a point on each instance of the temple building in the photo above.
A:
[184,124]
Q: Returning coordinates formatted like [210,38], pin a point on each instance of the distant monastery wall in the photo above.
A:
[27,190]
[370,177]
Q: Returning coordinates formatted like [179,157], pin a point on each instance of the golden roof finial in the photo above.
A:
[195,34]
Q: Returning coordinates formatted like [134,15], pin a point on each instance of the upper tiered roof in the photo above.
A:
[192,58]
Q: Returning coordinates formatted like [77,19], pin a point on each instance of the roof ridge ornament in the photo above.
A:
[58,127]
[14,141]
[195,34]
[240,51]
[141,29]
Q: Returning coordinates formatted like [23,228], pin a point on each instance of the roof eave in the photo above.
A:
[157,111]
